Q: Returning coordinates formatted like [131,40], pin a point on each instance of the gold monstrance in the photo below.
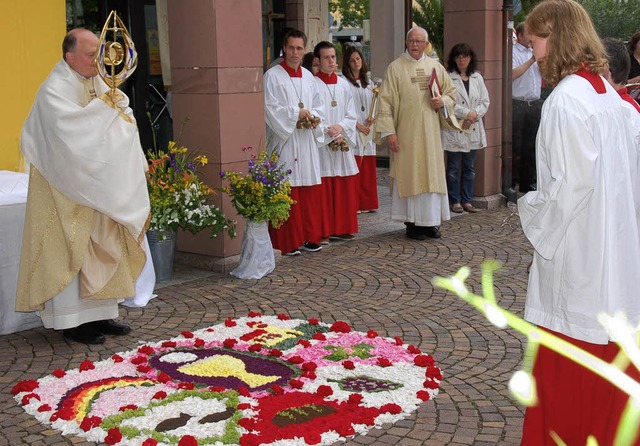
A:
[112,53]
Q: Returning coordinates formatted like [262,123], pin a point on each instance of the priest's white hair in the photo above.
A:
[426,34]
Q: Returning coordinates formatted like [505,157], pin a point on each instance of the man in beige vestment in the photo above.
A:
[407,120]
[83,247]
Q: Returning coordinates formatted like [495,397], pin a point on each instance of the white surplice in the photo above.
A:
[297,148]
[362,98]
[337,163]
[583,219]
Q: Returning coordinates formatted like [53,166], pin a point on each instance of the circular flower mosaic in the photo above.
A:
[257,380]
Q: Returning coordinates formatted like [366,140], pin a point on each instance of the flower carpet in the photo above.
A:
[256,380]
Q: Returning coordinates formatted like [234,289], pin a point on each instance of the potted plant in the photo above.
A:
[179,200]
[262,196]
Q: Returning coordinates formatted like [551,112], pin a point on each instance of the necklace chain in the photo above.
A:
[333,95]
[300,103]
[362,96]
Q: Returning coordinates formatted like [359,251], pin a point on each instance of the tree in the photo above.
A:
[429,14]
[611,18]
[353,12]
[614,18]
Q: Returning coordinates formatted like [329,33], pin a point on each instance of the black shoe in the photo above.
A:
[414,233]
[416,236]
[84,334]
[110,327]
[311,247]
[431,231]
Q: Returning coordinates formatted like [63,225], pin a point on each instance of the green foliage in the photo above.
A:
[429,14]
[611,18]
[353,12]
[614,18]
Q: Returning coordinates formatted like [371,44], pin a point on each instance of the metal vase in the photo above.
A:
[162,245]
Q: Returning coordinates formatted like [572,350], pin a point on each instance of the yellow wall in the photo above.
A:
[34,30]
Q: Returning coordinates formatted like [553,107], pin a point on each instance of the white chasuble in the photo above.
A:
[297,148]
[87,205]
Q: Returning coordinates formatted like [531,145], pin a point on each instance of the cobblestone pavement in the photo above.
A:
[381,281]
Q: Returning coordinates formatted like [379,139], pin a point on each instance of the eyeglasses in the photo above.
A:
[417,42]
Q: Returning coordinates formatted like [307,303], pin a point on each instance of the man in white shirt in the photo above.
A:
[527,106]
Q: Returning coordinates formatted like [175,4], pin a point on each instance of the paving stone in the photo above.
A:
[380,281]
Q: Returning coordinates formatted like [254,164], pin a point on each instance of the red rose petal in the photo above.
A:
[113,436]
[86,365]
[341,327]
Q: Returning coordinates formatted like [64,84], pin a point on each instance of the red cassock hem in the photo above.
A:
[367,183]
[340,205]
[572,401]
[304,223]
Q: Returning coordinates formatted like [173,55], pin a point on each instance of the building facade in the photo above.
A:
[203,61]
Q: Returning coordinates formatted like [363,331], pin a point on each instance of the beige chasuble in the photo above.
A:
[404,110]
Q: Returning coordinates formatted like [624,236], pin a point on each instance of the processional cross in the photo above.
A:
[421,79]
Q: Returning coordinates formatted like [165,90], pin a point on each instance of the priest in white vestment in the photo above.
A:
[291,94]
[407,120]
[84,247]
[337,159]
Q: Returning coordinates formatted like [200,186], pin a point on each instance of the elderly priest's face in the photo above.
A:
[416,43]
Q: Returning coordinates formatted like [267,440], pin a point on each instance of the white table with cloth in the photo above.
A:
[13,205]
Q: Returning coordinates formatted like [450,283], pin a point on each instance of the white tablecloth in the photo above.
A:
[13,198]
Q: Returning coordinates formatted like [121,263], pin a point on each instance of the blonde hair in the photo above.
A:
[573,42]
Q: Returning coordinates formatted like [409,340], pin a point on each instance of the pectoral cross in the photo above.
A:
[421,79]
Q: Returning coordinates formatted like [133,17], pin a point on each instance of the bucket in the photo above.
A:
[162,253]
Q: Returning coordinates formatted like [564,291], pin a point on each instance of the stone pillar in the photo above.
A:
[387,40]
[479,23]
[311,17]
[216,68]
[316,25]
[387,33]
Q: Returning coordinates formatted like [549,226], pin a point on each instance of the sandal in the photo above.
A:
[457,208]
[469,208]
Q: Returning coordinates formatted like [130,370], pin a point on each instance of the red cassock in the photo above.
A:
[574,402]
[304,223]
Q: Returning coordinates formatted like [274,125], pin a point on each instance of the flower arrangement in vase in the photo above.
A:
[263,194]
[179,197]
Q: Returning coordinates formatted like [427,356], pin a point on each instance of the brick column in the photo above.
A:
[216,67]
[479,23]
